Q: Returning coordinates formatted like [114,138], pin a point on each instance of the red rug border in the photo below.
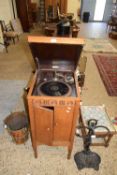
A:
[109,90]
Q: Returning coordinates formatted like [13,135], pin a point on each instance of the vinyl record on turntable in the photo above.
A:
[54,88]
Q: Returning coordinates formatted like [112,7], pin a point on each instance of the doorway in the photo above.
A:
[99,10]
[90,6]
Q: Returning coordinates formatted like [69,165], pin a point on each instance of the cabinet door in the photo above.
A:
[43,119]
[63,118]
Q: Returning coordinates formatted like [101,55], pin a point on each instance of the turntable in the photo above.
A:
[54,88]
[53,83]
[53,97]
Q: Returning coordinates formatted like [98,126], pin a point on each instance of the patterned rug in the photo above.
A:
[99,45]
[107,66]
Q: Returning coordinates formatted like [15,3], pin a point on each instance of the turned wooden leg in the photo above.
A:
[17,38]
[6,49]
[108,140]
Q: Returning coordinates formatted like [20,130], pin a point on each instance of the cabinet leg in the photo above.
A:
[35,151]
[69,152]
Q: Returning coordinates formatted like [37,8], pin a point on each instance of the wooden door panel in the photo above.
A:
[43,125]
[62,4]
[63,118]
[22,12]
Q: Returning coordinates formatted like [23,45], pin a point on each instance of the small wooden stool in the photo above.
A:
[75,32]
[113,35]
[102,136]
[49,31]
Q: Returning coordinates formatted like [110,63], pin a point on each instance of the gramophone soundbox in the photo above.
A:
[53,97]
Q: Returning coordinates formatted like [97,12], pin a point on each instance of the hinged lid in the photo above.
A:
[56,53]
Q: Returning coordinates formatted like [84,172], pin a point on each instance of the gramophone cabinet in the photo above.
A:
[54,97]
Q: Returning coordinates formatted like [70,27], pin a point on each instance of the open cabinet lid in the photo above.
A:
[56,53]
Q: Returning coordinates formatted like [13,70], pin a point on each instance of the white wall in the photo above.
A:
[15,9]
[73,6]
[6,12]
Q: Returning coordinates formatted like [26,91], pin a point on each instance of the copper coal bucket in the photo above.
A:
[17,125]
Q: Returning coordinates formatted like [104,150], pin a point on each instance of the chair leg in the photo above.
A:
[17,38]
[81,80]
[13,40]
[5,45]
[6,49]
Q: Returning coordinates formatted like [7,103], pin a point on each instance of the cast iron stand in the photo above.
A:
[87,158]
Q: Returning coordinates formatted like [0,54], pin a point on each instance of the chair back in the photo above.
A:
[1,35]
[58,11]
[3,26]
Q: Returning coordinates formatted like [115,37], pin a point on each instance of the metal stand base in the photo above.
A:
[87,159]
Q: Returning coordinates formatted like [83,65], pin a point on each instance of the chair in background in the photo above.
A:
[112,27]
[81,70]
[64,15]
[51,14]
[8,33]
[49,31]
[3,41]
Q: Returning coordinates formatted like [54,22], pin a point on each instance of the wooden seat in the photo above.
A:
[11,34]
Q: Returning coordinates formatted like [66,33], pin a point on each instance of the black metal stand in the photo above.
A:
[87,158]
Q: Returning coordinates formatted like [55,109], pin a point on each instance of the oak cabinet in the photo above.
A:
[53,118]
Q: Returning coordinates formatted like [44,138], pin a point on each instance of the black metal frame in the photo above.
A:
[87,158]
